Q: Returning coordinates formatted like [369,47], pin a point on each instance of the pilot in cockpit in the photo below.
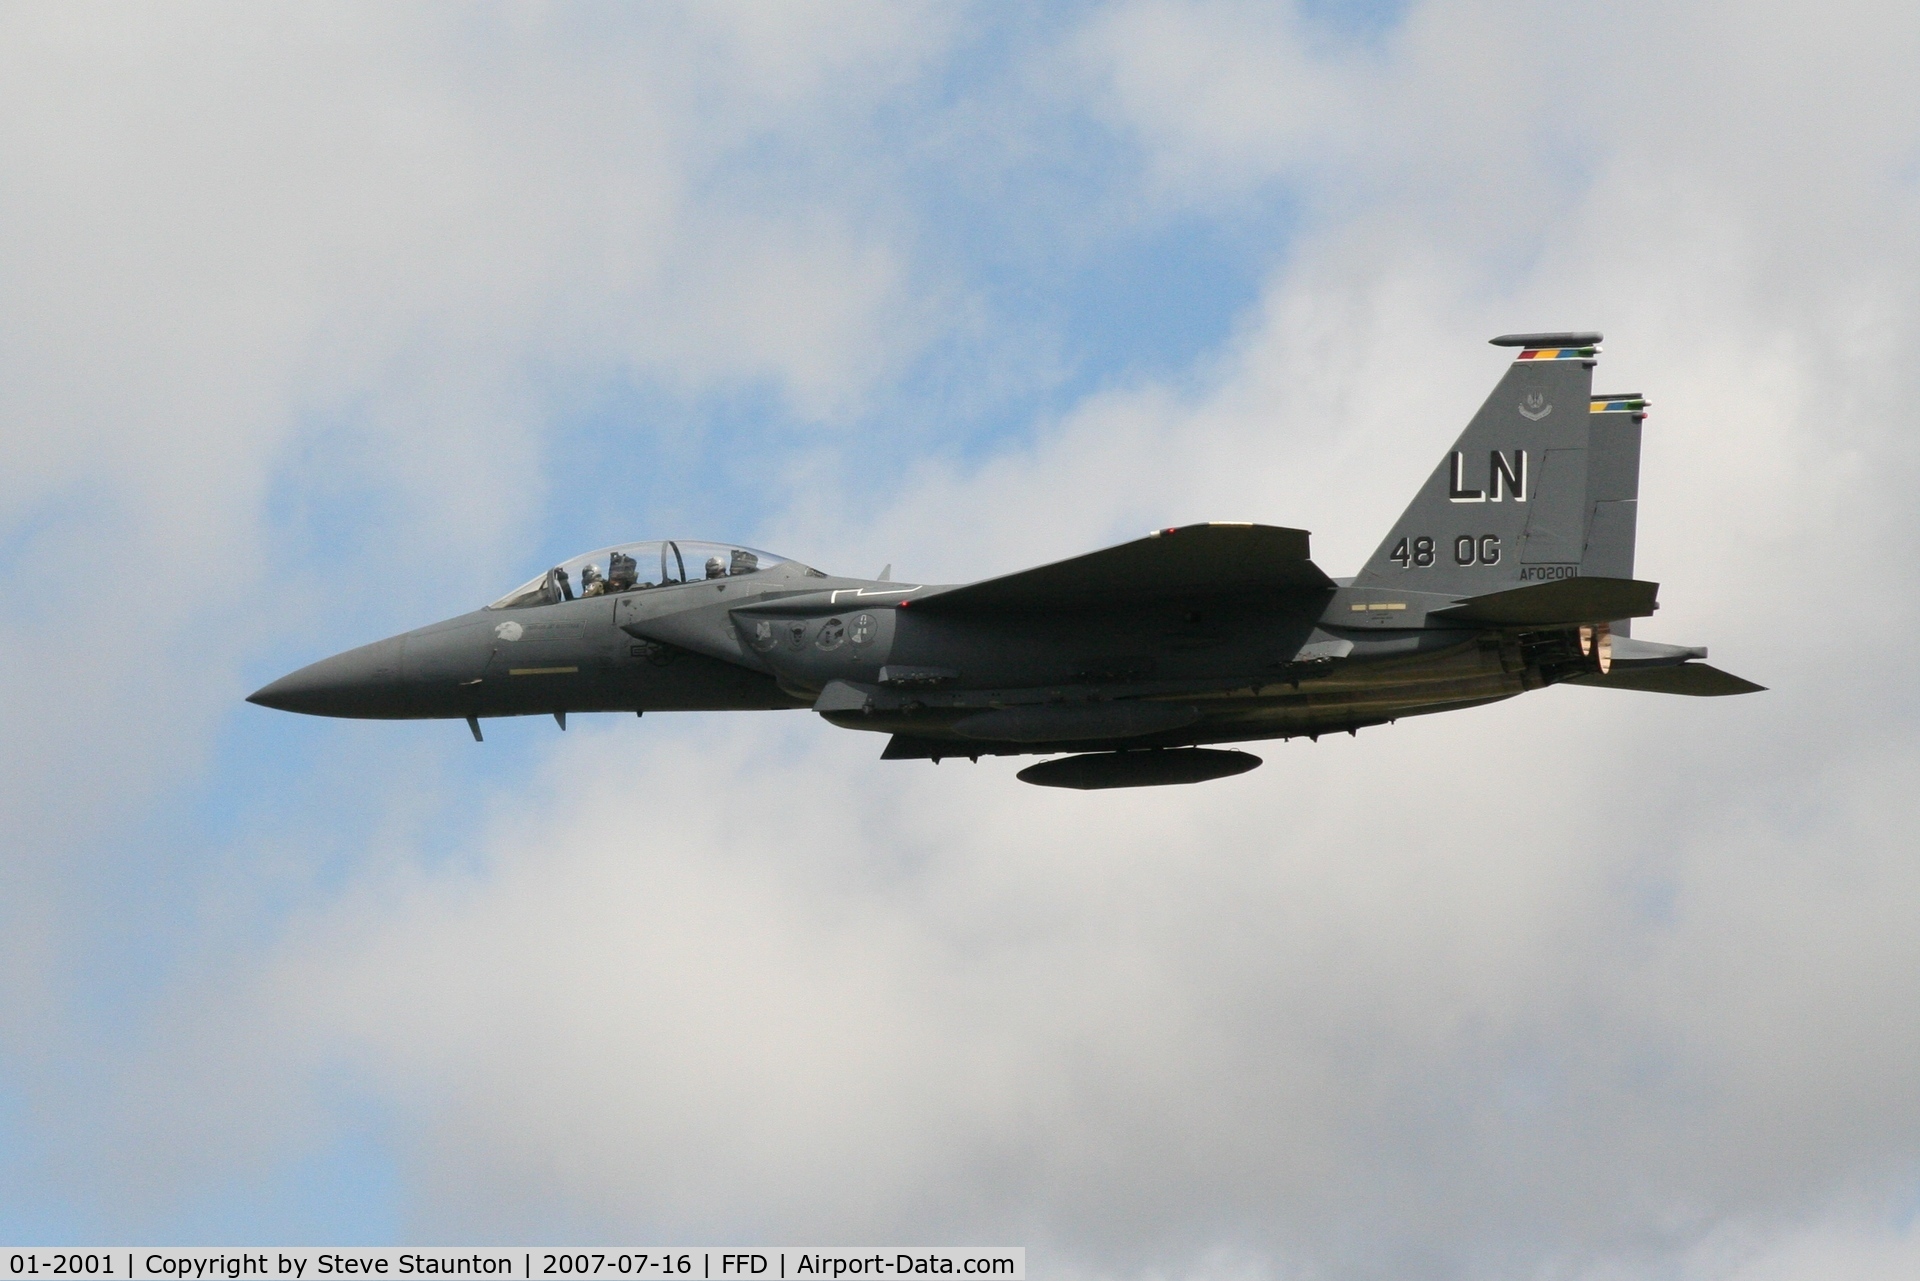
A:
[716,568]
[591,583]
[623,572]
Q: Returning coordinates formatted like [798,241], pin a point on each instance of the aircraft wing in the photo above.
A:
[1190,560]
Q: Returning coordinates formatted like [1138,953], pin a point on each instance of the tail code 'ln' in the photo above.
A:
[1542,484]
[1505,477]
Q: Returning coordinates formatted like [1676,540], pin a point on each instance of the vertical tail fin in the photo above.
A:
[1613,489]
[1540,486]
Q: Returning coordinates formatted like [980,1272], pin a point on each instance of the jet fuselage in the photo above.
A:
[1511,570]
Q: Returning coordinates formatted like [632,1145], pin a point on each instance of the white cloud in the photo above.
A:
[243,251]
[1359,996]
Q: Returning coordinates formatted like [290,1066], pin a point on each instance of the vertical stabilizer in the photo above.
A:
[1509,504]
[1613,489]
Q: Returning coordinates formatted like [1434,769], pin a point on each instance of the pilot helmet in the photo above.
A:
[716,568]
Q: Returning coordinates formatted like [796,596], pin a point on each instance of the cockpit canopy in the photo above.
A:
[633,567]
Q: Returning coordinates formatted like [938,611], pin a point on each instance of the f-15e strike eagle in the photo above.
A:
[1511,570]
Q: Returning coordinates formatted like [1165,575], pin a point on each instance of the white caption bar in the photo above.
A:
[686,1263]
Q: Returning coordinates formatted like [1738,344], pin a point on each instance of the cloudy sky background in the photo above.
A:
[317,324]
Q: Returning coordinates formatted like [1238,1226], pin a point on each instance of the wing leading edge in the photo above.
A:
[1188,560]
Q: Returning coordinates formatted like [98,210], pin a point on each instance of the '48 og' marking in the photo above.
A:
[1416,551]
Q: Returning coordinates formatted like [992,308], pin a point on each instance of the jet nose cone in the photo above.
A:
[361,682]
[270,695]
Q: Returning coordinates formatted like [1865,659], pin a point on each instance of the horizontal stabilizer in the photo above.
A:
[1557,604]
[1695,679]
[1192,560]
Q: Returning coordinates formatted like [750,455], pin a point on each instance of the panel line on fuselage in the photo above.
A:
[861,593]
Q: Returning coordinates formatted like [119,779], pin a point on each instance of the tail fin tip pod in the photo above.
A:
[1580,338]
[1528,487]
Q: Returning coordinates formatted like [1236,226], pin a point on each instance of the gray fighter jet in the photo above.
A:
[1511,570]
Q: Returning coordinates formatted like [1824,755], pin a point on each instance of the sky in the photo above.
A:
[320,323]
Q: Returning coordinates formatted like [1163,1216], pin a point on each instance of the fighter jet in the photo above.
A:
[1511,570]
